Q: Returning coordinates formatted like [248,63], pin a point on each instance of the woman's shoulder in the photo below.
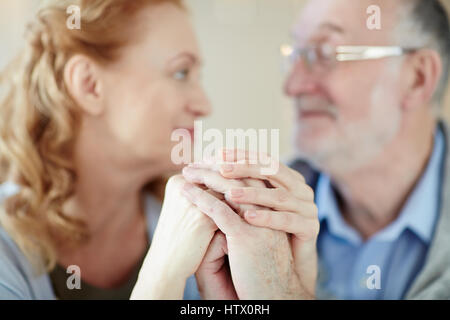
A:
[17,279]
[13,276]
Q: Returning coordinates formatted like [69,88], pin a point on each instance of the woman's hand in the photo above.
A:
[181,239]
[260,259]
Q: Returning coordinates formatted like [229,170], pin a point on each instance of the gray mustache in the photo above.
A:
[320,105]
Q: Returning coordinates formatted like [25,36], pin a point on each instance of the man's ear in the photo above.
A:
[425,70]
[82,79]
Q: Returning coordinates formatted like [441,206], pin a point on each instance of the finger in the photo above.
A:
[284,177]
[218,184]
[255,183]
[208,163]
[225,218]
[275,198]
[217,248]
[234,156]
[245,156]
[226,158]
[303,228]
[211,179]
[217,195]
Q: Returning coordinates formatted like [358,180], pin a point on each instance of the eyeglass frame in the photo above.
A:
[345,53]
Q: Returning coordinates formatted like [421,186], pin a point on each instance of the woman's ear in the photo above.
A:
[425,70]
[82,78]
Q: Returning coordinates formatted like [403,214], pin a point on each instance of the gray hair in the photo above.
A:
[425,23]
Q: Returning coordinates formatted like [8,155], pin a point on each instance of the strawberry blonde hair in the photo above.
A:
[39,120]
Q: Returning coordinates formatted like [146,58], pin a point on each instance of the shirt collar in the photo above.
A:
[419,213]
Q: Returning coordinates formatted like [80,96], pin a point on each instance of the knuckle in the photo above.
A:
[237,183]
[266,217]
[209,177]
[251,193]
[315,211]
[221,239]
[229,184]
[311,229]
[315,228]
[282,195]
[286,219]
[175,182]
[297,174]
[248,193]
[217,206]
[309,192]
[256,183]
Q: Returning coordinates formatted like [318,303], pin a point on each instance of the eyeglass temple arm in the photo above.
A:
[351,53]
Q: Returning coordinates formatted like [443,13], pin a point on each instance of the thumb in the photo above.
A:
[217,250]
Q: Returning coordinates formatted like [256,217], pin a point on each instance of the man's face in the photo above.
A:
[345,115]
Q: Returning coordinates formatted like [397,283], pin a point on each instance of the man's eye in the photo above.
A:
[181,75]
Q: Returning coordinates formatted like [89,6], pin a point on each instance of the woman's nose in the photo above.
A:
[199,103]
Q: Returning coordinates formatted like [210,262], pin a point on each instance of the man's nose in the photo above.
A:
[199,103]
[300,81]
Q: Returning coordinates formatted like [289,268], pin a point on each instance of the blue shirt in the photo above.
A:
[384,266]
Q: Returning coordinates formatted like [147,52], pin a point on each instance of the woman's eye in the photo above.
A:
[181,75]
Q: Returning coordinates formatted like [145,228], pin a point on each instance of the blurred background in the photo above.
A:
[240,41]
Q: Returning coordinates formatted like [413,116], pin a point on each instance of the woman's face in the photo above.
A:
[153,89]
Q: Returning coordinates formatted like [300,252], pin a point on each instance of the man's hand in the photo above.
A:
[213,276]
[290,200]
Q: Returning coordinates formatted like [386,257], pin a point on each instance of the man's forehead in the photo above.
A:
[344,17]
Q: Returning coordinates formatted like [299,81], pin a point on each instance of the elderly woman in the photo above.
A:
[85,125]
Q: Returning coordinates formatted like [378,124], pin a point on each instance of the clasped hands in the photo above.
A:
[244,234]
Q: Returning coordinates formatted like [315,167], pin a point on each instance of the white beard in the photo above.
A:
[357,142]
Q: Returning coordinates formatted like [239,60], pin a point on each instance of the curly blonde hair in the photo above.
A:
[39,120]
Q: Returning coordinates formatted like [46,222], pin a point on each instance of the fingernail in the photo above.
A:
[237,193]
[251,214]
[227,168]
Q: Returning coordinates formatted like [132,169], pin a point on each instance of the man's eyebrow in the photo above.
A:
[324,26]
[332,27]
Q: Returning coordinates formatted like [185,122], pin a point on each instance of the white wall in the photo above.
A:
[13,17]
[240,41]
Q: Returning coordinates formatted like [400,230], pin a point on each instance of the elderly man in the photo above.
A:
[371,146]
[369,126]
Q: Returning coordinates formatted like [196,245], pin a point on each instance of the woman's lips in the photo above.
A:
[189,130]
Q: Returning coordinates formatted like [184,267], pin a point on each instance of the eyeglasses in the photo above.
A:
[324,57]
